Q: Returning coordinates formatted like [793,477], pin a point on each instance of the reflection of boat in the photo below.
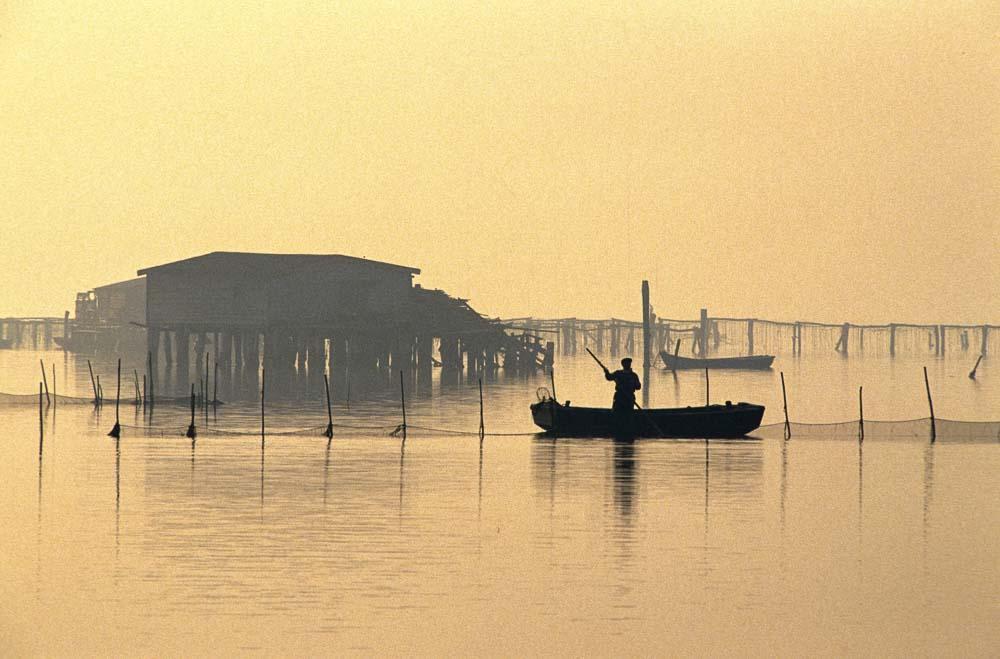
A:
[752,362]
[730,421]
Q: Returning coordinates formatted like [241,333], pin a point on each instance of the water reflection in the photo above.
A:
[624,462]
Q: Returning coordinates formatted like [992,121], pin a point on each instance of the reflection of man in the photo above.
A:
[626,384]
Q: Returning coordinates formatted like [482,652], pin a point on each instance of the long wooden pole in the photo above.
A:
[92,382]
[482,425]
[192,431]
[116,430]
[262,408]
[329,408]
[861,414]
[707,391]
[402,400]
[646,338]
[55,398]
[784,401]
[45,381]
[930,404]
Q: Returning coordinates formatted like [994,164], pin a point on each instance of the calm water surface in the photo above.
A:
[519,544]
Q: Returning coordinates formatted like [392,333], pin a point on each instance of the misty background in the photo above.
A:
[828,161]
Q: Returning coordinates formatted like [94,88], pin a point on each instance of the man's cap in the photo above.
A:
[627,361]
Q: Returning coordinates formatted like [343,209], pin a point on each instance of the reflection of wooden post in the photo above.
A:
[703,345]
[941,340]
[646,338]
[66,330]
[750,336]
[892,339]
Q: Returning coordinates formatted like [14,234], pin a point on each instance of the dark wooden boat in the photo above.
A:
[752,362]
[712,421]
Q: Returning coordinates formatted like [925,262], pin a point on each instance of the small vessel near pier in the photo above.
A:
[748,363]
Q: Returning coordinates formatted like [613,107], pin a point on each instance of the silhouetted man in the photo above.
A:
[626,384]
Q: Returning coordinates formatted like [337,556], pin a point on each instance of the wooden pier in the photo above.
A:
[711,335]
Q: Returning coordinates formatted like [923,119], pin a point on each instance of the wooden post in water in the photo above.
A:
[784,401]
[482,424]
[45,381]
[646,335]
[215,387]
[192,431]
[138,393]
[941,340]
[892,339]
[972,373]
[402,400]
[100,392]
[750,336]
[930,403]
[329,408]
[985,339]
[262,409]
[552,379]
[706,389]
[861,414]
[149,371]
[673,365]
[116,430]
[54,396]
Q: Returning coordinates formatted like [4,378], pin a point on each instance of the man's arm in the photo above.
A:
[638,384]
[608,375]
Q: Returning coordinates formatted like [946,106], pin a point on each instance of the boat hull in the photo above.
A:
[713,421]
[752,362]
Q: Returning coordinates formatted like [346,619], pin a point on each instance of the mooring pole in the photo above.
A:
[972,373]
[116,430]
[215,386]
[92,382]
[402,401]
[784,401]
[41,419]
[329,408]
[191,431]
[45,381]
[482,425]
[930,403]
[262,408]
[138,393]
[55,398]
[100,392]
[706,388]
[552,378]
[646,339]
[861,414]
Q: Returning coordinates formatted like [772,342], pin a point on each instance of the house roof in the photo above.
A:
[279,263]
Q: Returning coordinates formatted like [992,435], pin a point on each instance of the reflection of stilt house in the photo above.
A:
[108,318]
[297,315]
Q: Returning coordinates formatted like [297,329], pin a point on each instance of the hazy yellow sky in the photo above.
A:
[815,160]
